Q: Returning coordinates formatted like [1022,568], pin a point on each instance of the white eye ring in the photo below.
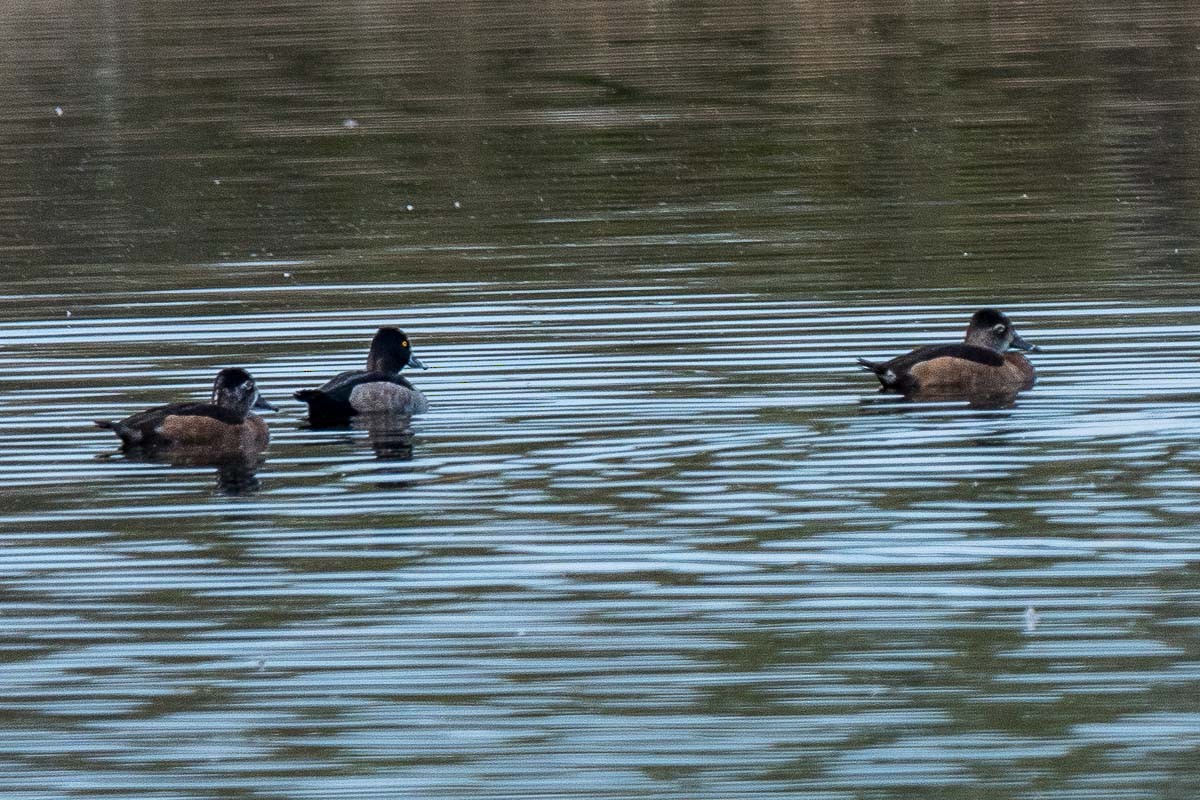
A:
[999,329]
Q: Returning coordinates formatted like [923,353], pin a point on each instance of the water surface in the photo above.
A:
[658,535]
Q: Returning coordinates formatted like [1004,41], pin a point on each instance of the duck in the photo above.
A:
[984,364]
[379,389]
[223,424]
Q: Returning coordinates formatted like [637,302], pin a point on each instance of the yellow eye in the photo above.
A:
[404,343]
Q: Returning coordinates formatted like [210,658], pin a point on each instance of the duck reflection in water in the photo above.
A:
[983,369]
[236,471]
[902,403]
[391,436]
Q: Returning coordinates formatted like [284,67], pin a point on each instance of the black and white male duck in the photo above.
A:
[379,389]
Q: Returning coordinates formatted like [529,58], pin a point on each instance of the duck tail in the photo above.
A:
[322,409]
[315,400]
[874,366]
[882,371]
[128,436]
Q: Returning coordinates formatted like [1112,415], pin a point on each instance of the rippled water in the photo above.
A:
[658,535]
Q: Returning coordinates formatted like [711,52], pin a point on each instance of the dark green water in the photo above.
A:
[657,536]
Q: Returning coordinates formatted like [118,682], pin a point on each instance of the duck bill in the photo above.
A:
[259,402]
[415,363]
[1018,343]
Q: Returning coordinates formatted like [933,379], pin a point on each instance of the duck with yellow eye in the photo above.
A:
[379,389]
[984,365]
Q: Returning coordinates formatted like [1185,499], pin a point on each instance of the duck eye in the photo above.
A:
[404,343]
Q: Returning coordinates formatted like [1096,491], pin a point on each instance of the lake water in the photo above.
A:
[658,535]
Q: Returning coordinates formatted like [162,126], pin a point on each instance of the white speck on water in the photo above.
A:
[68,313]
[1024,197]
[408,207]
[1031,619]
[349,123]
[965,254]
[58,112]
[457,204]
[287,274]
[216,181]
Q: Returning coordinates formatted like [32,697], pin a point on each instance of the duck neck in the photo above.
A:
[239,403]
[384,362]
[984,338]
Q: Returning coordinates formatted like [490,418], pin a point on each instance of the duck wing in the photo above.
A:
[967,352]
[897,373]
[331,401]
[144,428]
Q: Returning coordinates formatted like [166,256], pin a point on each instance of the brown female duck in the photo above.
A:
[983,365]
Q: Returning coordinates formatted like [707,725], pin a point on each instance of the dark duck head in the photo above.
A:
[391,352]
[992,329]
[235,390]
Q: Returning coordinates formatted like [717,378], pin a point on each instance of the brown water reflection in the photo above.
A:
[657,535]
